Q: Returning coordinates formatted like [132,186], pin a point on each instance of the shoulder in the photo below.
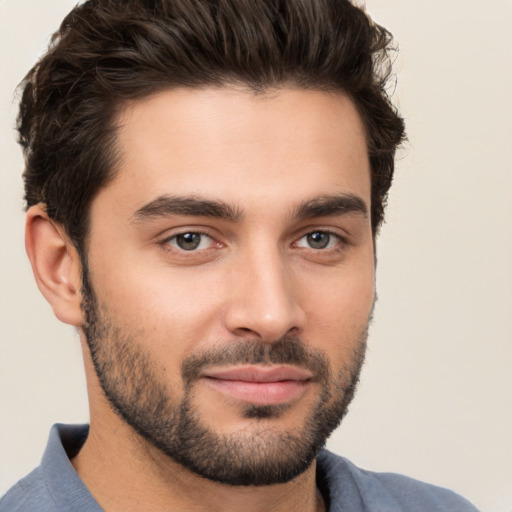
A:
[54,486]
[29,494]
[346,483]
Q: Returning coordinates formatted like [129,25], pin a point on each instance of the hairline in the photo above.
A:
[121,106]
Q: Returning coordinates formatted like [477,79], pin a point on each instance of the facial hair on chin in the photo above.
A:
[263,456]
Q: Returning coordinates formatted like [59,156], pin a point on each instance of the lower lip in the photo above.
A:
[260,393]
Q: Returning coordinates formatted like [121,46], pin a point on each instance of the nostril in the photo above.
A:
[245,332]
[294,331]
[270,337]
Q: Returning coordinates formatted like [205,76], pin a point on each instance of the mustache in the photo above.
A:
[285,351]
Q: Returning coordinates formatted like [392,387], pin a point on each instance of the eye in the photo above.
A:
[190,241]
[319,240]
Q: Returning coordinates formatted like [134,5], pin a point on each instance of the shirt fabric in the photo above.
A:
[55,486]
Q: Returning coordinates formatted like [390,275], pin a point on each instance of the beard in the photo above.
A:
[263,455]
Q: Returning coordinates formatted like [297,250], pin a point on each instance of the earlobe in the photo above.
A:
[56,265]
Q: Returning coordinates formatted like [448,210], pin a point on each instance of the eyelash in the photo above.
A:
[342,241]
[166,242]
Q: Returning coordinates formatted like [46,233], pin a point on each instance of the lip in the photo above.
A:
[259,385]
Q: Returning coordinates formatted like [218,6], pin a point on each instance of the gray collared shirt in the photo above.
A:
[55,486]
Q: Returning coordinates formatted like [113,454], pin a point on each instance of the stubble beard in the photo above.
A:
[264,455]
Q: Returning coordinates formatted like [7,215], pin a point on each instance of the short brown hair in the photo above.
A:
[109,51]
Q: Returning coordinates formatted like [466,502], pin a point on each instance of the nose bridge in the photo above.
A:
[264,302]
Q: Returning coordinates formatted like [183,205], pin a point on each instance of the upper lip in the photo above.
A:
[252,373]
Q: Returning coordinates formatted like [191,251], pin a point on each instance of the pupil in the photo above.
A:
[318,240]
[188,241]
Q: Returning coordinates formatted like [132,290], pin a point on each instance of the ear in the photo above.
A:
[56,265]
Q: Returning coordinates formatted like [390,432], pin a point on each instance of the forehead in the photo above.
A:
[241,147]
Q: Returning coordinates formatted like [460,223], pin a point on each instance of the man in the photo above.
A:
[205,182]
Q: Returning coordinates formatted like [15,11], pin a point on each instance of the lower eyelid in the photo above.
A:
[339,239]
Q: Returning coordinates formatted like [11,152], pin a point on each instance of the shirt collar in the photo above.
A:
[62,481]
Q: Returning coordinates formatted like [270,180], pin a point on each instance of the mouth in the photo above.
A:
[260,385]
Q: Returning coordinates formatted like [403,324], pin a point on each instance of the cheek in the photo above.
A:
[344,292]
[339,310]
[168,313]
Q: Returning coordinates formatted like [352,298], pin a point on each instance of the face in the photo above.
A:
[230,277]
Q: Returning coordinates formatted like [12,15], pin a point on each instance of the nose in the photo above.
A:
[263,299]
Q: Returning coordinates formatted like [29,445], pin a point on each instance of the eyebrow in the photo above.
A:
[330,205]
[166,205]
[322,206]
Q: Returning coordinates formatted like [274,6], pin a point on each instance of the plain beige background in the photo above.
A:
[436,395]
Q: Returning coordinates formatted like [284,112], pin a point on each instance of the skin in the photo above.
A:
[254,277]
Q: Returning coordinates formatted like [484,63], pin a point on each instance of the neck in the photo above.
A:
[124,473]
